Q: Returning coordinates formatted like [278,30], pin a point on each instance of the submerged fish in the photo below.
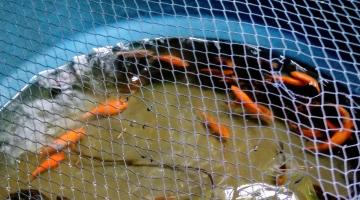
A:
[340,136]
[217,72]
[309,80]
[298,79]
[67,139]
[50,163]
[252,107]
[175,61]
[106,109]
[214,126]
[289,80]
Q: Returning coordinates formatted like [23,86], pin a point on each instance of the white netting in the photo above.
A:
[179,99]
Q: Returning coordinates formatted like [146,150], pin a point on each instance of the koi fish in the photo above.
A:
[215,127]
[218,72]
[106,109]
[50,163]
[298,79]
[67,139]
[251,106]
[339,137]
[174,61]
[289,80]
[309,80]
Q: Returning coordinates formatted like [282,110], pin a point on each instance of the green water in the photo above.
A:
[160,126]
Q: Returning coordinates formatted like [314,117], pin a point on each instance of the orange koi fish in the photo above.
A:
[215,127]
[50,163]
[309,80]
[218,72]
[174,61]
[289,80]
[67,139]
[298,79]
[251,106]
[339,137]
[106,109]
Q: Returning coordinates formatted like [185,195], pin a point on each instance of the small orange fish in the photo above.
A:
[251,106]
[311,133]
[289,80]
[226,61]
[67,139]
[174,61]
[309,80]
[298,79]
[218,72]
[50,163]
[215,127]
[339,137]
[106,109]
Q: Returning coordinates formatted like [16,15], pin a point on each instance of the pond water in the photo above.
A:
[121,157]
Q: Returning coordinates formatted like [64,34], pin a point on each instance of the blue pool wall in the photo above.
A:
[38,35]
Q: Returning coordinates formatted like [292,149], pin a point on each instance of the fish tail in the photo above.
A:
[80,131]
[35,173]
[86,116]
[266,113]
[201,114]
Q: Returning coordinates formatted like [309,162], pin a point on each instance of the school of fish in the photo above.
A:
[54,153]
